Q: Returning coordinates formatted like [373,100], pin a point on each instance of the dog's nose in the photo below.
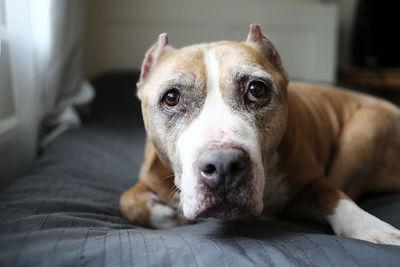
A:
[223,168]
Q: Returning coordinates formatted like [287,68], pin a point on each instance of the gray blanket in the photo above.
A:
[66,213]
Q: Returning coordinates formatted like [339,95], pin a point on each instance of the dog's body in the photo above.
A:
[228,137]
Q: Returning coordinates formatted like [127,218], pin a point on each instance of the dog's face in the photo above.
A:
[215,113]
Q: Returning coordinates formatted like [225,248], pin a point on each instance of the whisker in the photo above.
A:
[176,189]
[166,177]
[173,192]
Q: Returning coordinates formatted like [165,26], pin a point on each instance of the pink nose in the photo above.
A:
[223,168]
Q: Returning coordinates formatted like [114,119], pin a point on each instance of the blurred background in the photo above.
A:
[64,61]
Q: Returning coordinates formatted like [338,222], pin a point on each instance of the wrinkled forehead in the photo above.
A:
[191,63]
[226,53]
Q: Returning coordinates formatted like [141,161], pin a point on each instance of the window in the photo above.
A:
[6,98]
[17,121]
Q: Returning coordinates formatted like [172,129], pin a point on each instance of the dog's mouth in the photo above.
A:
[224,211]
[230,204]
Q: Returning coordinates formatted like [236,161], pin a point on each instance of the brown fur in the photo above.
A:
[156,176]
[338,140]
[134,204]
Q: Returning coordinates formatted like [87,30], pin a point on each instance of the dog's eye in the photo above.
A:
[173,101]
[172,98]
[256,90]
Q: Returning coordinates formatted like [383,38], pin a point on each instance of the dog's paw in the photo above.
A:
[142,207]
[376,231]
[163,215]
[351,221]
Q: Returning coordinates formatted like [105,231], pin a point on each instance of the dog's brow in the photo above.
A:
[251,71]
[185,78]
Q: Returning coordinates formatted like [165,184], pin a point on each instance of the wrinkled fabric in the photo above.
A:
[66,213]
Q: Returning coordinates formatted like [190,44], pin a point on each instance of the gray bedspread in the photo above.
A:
[66,213]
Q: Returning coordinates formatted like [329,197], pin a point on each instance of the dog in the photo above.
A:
[228,136]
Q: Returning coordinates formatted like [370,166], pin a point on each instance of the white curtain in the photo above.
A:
[58,40]
[45,40]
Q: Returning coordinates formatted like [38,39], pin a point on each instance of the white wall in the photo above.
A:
[119,32]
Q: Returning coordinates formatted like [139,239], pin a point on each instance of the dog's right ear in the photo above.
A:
[150,60]
[257,38]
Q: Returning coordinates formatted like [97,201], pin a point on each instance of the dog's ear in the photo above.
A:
[256,37]
[150,60]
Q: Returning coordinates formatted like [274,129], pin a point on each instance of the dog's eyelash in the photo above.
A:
[242,80]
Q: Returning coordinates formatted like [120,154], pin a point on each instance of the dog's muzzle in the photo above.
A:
[225,182]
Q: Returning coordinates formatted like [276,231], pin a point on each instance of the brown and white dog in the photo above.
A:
[228,136]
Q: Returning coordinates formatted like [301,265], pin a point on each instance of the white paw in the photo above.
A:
[163,215]
[376,231]
[349,220]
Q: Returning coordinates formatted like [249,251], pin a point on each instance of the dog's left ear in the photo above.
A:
[256,37]
[150,60]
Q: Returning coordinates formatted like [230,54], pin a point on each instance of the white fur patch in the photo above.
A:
[276,187]
[216,123]
[163,216]
[349,220]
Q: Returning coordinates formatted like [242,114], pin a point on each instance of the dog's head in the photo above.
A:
[215,113]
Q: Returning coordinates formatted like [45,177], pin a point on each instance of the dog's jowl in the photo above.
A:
[228,136]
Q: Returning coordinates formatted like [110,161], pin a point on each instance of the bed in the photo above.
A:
[65,211]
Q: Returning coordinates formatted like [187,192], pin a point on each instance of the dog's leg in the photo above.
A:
[152,202]
[345,217]
[368,152]
[366,160]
